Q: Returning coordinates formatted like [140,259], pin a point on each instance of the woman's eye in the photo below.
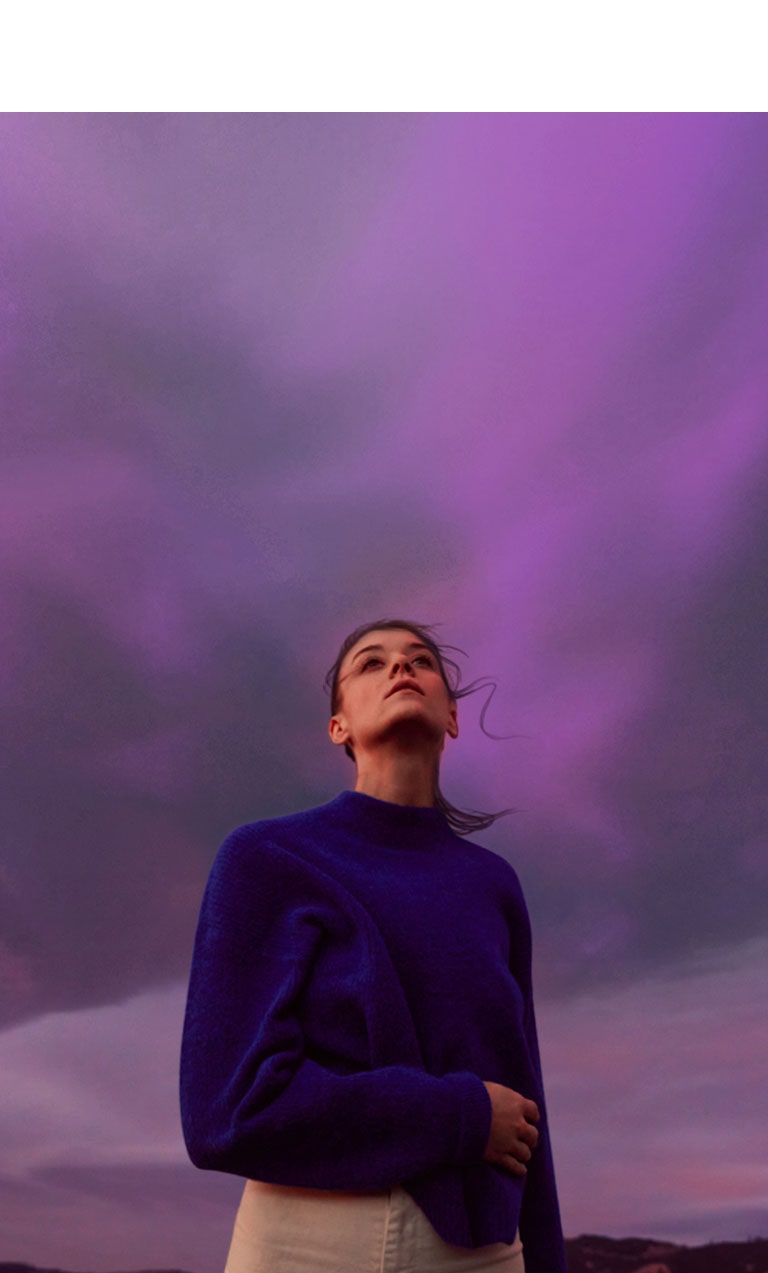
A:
[425,658]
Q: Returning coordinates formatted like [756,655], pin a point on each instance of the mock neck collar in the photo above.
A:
[370,815]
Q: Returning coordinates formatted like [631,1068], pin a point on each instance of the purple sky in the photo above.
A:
[267,377]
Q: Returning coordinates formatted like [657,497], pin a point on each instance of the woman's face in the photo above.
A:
[368,708]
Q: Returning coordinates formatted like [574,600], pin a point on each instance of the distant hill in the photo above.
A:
[37,1268]
[591,1253]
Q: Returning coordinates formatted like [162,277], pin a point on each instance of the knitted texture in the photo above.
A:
[358,972]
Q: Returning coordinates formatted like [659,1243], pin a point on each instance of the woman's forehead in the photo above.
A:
[389,638]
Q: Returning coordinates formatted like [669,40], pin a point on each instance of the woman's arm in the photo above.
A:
[540,1224]
[252,1101]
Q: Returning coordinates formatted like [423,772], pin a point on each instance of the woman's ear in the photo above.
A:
[337,730]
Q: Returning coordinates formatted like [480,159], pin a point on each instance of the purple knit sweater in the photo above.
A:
[359,970]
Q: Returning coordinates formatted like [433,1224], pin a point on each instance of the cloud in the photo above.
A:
[651,1089]
[268,376]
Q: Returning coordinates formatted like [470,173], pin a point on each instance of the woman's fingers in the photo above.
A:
[530,1135]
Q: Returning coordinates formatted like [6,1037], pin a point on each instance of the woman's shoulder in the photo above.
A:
[493,861]
[280,832]
[263,838]
[284,846]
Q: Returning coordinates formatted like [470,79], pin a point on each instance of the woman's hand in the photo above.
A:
[513,1135]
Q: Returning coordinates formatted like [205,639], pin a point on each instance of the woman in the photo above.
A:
[359,1039]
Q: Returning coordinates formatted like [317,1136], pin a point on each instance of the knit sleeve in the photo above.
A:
[540,1224]
[255,1099]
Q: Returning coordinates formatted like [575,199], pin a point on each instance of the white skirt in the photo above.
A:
[284,1229]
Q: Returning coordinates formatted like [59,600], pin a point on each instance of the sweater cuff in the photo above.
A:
[475,1115]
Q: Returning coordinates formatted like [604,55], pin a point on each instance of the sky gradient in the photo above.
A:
[267,377]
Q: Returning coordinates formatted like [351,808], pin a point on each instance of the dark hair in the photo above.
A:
[462,821]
